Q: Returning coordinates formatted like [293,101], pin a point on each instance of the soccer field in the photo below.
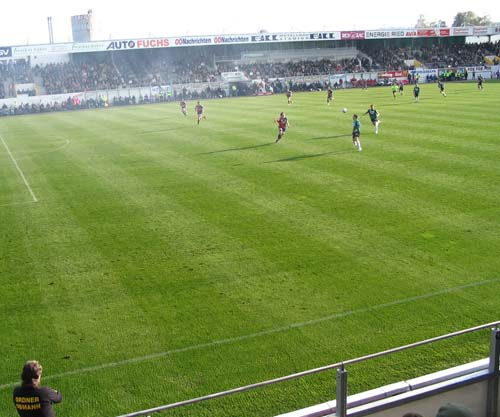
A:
[145,259]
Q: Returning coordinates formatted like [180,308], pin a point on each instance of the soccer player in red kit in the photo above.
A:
[282,125]
[289,96]
[199,111]
[184,108]
[329,95]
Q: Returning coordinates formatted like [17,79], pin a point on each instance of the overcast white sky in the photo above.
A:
[25,21]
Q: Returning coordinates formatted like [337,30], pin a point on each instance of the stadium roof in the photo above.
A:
[22,51]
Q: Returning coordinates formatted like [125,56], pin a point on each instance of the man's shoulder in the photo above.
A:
[19,390]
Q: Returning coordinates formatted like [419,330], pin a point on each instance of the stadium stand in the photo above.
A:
[199,72]
[432,56]
[102,71]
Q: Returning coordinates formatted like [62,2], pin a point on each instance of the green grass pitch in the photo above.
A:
[165,260]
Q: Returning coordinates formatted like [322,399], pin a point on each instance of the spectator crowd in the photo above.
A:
[141,68]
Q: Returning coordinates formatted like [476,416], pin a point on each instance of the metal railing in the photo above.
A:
[341,399]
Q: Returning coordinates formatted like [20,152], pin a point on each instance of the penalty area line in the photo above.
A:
[262,333]
[26,183]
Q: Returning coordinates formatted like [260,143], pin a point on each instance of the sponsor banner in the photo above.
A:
[231,39]
[486,71]
[141,43]
[424,71]
[427,33]
[479,68]
[381,34]
[24,51]
[60,48]
[324,36]
[393,74]
[480,31]
[5,52]
[163,42]
[294,37]
[234,76]
[29,50]
[423,74]
[265,38]
[280,37]
[352,35]
[90,46]
[186,41]
[406,33]
[465,31]
[161,89]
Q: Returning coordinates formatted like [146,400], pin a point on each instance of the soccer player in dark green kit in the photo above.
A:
[373,117]
[441,88]
[416,92]
[356,126]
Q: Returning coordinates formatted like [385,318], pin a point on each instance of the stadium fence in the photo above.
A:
[484,371]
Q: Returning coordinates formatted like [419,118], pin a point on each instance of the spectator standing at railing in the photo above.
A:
[31,399]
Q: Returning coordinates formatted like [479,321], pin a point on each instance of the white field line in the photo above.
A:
[258,334]
[20,203]
[26,183]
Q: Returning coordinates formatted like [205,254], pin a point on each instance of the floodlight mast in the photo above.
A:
[51,33]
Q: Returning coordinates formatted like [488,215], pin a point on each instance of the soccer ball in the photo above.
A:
[344,110]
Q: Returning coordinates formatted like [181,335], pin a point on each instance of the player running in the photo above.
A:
[183,108]
[373,117]
[289,96]
[282,125]
[441,88]
[394,88]
[401,87]
[199,111]
[356,125]
[329,95]
[480,80]
[416,93]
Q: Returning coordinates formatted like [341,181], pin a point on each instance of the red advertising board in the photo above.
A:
[393,74]
[427,32]
[352,34]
